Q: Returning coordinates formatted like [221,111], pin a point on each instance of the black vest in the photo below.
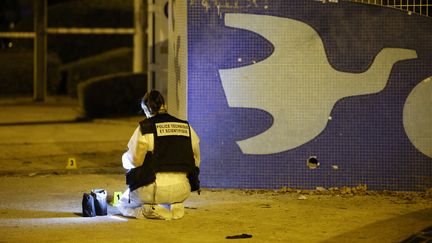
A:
[172,152]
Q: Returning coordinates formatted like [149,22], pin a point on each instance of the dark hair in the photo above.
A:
[154,101]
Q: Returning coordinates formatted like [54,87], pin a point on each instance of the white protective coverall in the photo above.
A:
[162,199]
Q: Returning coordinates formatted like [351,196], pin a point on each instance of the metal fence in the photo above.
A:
[40,32]
[421,7]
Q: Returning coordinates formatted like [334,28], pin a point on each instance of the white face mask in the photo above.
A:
[146,109]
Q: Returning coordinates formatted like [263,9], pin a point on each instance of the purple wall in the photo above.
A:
[364,139]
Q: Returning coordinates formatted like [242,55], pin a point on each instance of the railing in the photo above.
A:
[77,31]
[421,7]
[39,36]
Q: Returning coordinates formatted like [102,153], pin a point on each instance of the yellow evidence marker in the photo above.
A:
[116,198]
[71,164]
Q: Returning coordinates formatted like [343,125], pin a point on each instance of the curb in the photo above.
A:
[31,173]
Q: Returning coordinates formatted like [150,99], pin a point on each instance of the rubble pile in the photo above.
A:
[360,190]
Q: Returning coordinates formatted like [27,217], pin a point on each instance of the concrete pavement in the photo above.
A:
[41,197]
[46,137]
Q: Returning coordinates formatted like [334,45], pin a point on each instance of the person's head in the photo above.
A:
[152,103]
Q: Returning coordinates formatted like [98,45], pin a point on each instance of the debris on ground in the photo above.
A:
[242,236]
[302,197]
[359,190]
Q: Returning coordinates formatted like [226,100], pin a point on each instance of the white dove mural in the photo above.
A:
[302,87]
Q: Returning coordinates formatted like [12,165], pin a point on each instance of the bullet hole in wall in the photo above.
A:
[312,162]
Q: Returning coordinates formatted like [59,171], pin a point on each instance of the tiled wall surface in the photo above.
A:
[273,83]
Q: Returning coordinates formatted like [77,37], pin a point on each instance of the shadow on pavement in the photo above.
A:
[31,123]
[33,214]
[402,226]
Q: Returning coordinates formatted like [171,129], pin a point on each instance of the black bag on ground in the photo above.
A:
[88,206]
[100,201]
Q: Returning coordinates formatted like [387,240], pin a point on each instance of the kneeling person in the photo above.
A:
[162,160]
